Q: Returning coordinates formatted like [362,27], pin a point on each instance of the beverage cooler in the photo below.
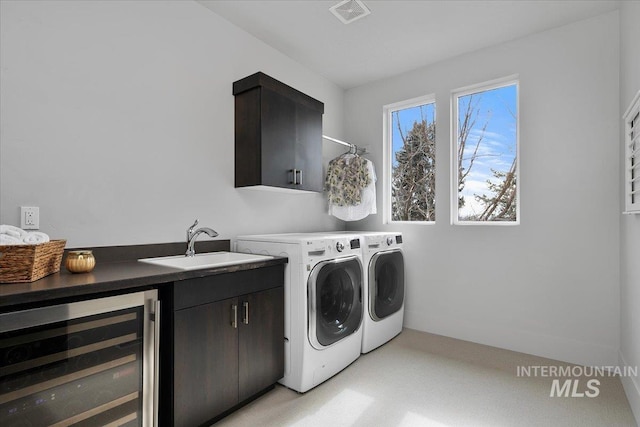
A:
[88,363]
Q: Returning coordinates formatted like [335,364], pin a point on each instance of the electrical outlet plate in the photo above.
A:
[29,218]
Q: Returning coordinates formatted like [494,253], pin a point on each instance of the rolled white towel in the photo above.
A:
[6,239]
[35,237]
[10,230]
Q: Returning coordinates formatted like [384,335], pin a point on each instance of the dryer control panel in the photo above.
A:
[374,242]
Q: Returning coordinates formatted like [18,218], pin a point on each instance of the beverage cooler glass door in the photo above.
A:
[85,363]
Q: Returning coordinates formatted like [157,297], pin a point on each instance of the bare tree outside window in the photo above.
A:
[485,175]
[487,155]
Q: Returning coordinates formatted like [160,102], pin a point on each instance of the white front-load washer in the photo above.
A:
[384,289]
[323,302]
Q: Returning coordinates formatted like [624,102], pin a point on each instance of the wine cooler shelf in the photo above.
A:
[94,367]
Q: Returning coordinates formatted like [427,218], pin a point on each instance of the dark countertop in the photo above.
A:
[117,270]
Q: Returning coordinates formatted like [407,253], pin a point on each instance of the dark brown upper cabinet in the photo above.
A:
[278,135]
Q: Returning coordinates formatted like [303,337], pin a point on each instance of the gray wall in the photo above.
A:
[630,224]
[549,286]
[117,121]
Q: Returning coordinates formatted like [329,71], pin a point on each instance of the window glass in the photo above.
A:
[485,165]
[411,136]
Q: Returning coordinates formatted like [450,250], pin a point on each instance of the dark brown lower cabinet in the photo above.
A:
[261,342]
[206,363]
[227,351]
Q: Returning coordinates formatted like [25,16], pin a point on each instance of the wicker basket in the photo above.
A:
[28,263]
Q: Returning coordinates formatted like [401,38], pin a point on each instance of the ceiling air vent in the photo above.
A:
[350,10]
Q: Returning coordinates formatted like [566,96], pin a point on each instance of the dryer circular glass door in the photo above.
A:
[335,300]
[386,283]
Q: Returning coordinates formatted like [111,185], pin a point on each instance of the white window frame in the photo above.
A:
[468,90]
[387,154]
[632,155]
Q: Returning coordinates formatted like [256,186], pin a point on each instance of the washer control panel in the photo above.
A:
[355,243]
[346,245]
[334,245]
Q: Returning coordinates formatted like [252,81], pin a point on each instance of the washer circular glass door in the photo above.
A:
[335,300]
[386,283]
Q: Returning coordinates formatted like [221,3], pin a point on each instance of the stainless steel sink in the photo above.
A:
[205,260]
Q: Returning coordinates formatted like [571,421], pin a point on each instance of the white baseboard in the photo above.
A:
[631,389]
[552,347]
[557,348]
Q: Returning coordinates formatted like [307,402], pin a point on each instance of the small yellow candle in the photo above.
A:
[80,261]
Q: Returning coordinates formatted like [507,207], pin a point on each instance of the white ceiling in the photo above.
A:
[397,36]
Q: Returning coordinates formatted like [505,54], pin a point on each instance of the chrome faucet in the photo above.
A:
[192,235]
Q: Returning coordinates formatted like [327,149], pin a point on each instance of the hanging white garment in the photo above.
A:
[367,205]
[347,176]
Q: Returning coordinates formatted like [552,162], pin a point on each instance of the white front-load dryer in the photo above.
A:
[384,288]
[324,306]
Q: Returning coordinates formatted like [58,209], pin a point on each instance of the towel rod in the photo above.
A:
[354,147]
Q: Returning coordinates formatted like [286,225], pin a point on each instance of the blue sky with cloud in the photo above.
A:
[497,108]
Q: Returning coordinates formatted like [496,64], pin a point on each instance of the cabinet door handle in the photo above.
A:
[234,316]
[245,318]
[294,176]
[298,181]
